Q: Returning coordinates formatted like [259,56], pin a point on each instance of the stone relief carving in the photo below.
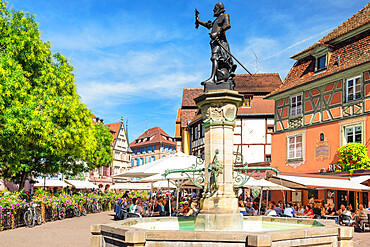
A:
[218,113]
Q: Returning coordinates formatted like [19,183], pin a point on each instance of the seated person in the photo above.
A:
[331,210]
[156,209]
[242,208]
[309,212]
[185,209]
[193,210]
[341,209]
[360,216]
[249,209]
[278,209]
[271,211]
[138,209]
[317,210]
[289,211]
[300,209]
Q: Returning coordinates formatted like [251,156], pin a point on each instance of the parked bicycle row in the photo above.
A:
[20,209]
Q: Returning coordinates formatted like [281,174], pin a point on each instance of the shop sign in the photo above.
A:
[322,150]
[334,167]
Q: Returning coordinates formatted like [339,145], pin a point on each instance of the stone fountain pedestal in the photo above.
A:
[220,211]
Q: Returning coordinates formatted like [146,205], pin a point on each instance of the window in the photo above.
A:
[295,147]
[144,150]
[322,137]
[116,170]
[270,129]
[201,131]
[150,159]
[268,157]
[247,100]
[295,105]
[154,149]
[353,89]
[149,149]
[142,161]
[132,162]
[153,158]
[195,133]
[321,63]
[166,149]
[353,134]
[117,155]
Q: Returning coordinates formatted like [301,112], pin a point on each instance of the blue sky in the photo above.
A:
[133,58]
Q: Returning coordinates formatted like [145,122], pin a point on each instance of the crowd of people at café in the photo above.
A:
[162,204]
[345,215]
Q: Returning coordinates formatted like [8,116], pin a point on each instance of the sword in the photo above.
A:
[196,15]
[223,47]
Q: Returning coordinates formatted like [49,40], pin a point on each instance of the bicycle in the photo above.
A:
[61,211]
[79,209]
[91,207]
[32,216]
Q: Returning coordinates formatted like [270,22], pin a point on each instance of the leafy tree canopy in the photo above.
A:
[44,127]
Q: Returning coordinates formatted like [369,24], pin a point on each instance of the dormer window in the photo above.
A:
[247,100]
[321,63]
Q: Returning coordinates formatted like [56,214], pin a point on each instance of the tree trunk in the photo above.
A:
[23,181]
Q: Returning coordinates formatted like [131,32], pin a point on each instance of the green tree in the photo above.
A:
[44,127]
[353,156]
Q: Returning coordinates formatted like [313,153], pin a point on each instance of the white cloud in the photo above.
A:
[165,86]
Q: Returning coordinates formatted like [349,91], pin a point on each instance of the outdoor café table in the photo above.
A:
[301,216]
[332,217]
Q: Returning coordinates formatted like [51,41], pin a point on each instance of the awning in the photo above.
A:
[81,184]
[363,179]
[263,184]
[49,183]
[318,182]
[141,186]
[174,161]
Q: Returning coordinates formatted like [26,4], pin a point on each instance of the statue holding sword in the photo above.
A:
[223,67]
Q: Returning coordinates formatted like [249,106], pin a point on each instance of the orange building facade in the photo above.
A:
[324,102]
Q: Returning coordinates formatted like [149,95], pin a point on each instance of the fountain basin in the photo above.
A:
[258,231]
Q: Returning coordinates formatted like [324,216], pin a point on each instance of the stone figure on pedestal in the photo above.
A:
[223,67]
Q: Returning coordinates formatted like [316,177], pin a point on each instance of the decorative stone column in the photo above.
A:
[218,108]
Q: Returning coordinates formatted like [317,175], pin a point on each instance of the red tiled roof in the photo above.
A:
[187,115]
[178,117]
[156,135]
[345,55]
[259,105]
[188,96]
[114,128]
[196,117]
[257,83]
[359,19]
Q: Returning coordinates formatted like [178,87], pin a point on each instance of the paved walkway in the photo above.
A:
[62,233]
[361,239]
[76,232]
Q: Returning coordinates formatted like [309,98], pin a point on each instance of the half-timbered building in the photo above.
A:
[324,102]
[254,123]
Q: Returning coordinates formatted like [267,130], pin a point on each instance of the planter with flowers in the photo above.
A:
[353,156]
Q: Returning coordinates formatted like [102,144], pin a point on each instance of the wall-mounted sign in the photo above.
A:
[322,148]
[334,167]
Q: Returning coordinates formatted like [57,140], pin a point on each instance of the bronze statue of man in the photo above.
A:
[222,64]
